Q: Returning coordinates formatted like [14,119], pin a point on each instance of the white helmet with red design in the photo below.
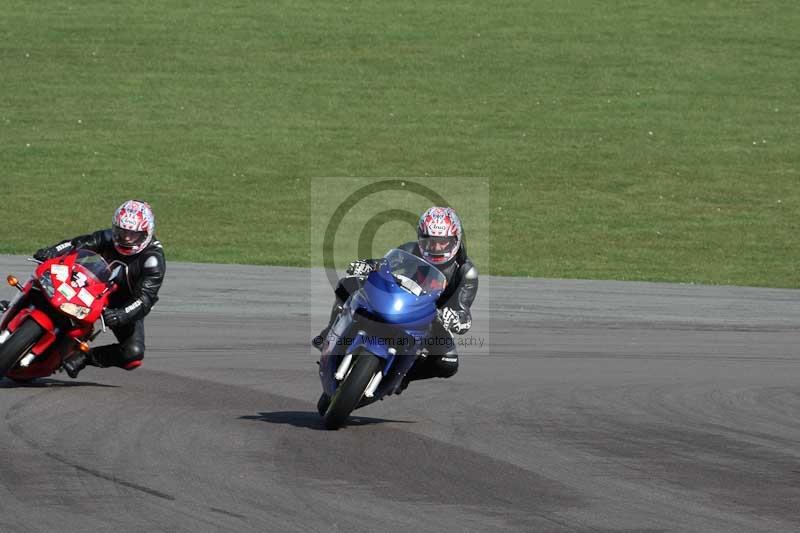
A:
[439,234]
[133,227]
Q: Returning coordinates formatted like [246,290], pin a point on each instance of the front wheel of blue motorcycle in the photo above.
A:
[323,403]
[351,390]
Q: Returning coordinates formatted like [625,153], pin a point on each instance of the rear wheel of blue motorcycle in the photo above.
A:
[351,390]
[18,344]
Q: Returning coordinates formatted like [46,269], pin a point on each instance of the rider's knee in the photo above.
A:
[447,365]
[132,356]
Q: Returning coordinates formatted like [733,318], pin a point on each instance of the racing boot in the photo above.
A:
[78,362]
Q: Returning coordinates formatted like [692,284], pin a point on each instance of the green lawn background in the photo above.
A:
[631,140]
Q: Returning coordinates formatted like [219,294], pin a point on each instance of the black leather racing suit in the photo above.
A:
[136,294]
[462,287]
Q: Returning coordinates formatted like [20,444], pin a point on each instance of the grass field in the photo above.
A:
[632,140]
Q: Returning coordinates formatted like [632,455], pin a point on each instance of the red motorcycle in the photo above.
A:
[54,314]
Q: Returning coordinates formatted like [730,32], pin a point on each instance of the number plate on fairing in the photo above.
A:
[68,292]
[86,297]
[61,272]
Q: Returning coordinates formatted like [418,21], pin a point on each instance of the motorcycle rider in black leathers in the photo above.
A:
[439,242]
[131,240]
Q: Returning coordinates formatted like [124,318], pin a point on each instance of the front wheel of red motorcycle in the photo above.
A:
[18,344]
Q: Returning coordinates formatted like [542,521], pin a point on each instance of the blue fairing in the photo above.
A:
[374,345]
[386,319]
[394,305]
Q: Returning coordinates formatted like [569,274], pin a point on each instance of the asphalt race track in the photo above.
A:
[593,406]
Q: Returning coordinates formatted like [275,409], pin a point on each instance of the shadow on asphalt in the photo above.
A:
[6,383]
[312,420]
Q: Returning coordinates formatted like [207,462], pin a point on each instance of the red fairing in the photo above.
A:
[43,320]
[76,288]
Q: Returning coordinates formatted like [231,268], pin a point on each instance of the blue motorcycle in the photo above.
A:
[378,335]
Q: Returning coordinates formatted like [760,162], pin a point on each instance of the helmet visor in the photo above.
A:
[438,245]
[127,238]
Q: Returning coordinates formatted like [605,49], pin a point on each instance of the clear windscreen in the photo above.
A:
[414,274]
[95,264]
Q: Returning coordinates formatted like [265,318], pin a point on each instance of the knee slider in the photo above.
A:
[133,365]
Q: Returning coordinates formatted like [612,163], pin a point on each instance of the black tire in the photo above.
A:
[323,403]
[18,344]
[21,381]
[351,390]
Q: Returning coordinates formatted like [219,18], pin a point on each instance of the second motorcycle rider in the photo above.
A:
[130,240]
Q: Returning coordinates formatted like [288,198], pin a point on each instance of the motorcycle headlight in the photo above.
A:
[47,285]
[78,311]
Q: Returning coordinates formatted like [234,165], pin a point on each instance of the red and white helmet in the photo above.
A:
[439,234]
[133,227]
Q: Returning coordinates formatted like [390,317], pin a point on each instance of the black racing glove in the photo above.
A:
[43,254]
[453,322]
[113,317]
[361,267]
